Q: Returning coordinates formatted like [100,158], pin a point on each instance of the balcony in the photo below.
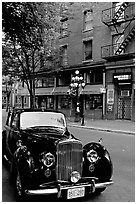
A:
[118,49]
[108,52]
[118,14]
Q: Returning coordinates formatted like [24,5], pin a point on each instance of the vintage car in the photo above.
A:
[45,158]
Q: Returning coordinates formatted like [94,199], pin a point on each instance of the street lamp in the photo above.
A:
[77,82]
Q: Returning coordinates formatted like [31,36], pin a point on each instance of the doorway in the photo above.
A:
[124,108]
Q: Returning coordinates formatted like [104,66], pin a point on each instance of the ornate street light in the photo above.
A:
[77,82]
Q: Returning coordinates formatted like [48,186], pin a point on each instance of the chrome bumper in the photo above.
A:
[57,190]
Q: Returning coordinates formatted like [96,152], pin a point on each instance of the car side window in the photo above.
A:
[15,121]
[8,122]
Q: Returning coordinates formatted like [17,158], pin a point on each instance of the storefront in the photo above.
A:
[62,100]
[120,98]
[123,84]
[93,101]
[44,98]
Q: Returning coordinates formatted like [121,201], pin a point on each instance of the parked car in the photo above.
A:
[45,158]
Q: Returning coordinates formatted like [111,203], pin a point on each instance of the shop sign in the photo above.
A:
[110,96]
[122,77]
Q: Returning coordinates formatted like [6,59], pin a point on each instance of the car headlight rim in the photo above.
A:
[48,159]
[92,156]
[75,177]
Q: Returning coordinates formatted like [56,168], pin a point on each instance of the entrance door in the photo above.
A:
[124,108]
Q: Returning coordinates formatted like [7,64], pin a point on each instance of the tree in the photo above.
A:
[10,82]
[25,47]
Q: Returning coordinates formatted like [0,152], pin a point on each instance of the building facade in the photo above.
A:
[119,53]
[98,39]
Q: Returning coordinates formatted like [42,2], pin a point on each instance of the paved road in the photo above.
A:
[122,151]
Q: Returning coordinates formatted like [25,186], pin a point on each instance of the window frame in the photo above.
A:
[90,21]
[15,121]
[93,102]
[64,55]
[64,27]
[84,45]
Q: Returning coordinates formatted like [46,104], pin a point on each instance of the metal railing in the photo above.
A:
[111,50]
[108,15]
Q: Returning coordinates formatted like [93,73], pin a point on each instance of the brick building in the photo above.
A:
[98,39]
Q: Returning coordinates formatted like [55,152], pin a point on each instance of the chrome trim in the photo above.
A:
[59,153]
[54,190]
[70,140]
[77,186]
[42,191]
[57,190]
[103,185]
[5,157]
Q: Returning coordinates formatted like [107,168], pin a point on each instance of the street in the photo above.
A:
[122,150]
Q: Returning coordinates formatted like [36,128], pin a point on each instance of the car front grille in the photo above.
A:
[69,158]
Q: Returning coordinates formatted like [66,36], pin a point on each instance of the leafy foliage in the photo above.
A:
[29,44]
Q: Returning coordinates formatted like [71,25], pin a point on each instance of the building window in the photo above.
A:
[4,99]
[95,76]
[50,102]
[63,55]
[64,27]
[88,20]
[38,82]
[45,82]
[48,82]
[64,102]
[88,50]
[93,102]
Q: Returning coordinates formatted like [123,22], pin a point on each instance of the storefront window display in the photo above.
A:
[93,102]
[64,102]
[50,102]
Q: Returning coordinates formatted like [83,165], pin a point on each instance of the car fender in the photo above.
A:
[24,160]
[102,168]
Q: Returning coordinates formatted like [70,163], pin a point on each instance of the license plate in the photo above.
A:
[76,193]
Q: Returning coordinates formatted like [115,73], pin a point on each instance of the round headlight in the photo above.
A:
[48,159]
[92,156]
[75,176]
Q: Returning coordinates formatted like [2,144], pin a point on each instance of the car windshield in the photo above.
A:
[42,119]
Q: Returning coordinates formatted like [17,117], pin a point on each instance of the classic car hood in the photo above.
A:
[43,139]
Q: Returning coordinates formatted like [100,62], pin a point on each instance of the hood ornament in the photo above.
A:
[100,140]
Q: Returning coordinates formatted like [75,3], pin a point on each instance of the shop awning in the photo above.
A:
[92,89]
[60,90]
[44,91]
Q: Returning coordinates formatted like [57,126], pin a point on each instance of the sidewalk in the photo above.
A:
[117,126]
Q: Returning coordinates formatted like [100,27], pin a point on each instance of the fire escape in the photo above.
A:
[121,16]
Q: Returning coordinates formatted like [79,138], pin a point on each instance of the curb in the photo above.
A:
[102,129]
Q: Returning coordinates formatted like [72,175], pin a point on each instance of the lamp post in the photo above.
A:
[77,82]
